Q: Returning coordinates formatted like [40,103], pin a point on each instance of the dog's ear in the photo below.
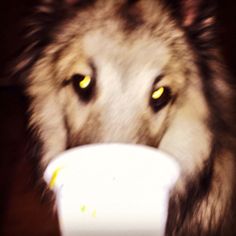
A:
[192,12]
[198,18]
[198,11]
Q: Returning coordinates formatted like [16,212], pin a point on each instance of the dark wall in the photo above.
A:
[12,13]
[227,20]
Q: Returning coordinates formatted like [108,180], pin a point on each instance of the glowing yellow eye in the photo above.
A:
[158,93]
[85,82]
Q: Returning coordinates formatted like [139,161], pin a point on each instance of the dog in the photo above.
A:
[143,72]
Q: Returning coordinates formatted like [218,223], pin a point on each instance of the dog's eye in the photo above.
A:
[83,86]
[159,98]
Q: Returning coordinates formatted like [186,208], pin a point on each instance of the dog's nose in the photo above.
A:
[112,189]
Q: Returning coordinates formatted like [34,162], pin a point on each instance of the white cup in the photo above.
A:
[112,190]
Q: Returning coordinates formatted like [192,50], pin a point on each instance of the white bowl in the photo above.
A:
[112,189]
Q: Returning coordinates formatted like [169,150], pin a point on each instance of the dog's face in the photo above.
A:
[103,82]
[126,71]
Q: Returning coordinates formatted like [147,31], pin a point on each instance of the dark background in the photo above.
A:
[22,211]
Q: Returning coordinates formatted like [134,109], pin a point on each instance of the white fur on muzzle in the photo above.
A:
[112,190]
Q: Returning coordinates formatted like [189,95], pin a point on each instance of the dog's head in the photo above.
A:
[140,72]
[119,71]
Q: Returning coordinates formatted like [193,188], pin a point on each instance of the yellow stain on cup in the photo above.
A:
[83,208]
[54,177]
[94,213]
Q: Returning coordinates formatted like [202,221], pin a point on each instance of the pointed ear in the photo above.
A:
[190,9]
[193,12]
